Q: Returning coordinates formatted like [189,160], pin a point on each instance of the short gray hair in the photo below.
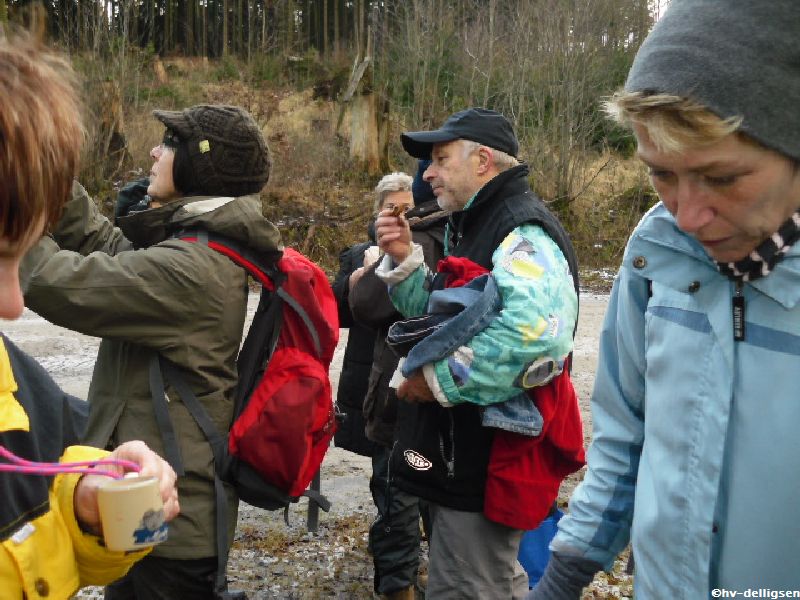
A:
[502,160]
[393,182]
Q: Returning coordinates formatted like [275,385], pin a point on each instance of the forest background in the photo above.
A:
[335,82]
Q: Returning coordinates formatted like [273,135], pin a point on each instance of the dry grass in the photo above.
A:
[603,216]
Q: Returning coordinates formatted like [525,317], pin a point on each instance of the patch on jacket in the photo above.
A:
[539,372]
[416,461]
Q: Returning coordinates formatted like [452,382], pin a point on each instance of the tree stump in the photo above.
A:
[160,71]
[367,120]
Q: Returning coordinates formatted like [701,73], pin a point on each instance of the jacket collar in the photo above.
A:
[150,227]
[509,183]
[12,415]
[665,249]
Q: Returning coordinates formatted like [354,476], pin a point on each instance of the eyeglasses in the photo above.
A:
[171,139]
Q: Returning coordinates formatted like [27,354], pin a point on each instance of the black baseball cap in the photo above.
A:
[487,127]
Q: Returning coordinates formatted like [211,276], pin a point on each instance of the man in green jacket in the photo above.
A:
[148,293]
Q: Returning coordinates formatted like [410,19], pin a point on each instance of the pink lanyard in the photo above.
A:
[20,465]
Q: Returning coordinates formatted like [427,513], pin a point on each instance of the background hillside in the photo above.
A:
[334,83]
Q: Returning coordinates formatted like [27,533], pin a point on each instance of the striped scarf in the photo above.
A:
[761,261]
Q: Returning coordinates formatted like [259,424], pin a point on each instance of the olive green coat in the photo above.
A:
[178,298]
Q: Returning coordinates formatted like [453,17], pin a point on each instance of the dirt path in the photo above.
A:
[269,559]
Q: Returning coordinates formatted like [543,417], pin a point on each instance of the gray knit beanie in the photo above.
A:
[220,150]
[739,58]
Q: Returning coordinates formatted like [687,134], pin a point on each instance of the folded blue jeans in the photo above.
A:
[454,316]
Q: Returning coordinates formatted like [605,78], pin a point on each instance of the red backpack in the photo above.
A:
[286,410]
[284,417]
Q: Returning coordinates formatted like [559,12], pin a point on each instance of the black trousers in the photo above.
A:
[157,578]
[394,537]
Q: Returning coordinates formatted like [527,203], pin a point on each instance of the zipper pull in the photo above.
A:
[738,313]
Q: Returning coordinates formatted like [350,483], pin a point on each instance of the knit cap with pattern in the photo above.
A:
[220,151]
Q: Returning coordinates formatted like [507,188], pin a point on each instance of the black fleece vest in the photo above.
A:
[503,204]
[442,454]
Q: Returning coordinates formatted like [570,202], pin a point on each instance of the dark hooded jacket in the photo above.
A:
[180,299]
[357,359]
[372,307]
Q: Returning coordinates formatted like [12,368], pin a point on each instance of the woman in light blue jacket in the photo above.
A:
[696,450]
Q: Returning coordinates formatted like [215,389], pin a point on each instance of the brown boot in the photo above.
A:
[404,594]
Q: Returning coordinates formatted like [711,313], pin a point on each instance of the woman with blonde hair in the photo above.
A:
[695,455]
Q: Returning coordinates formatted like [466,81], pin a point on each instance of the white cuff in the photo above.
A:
[433,383]
[391,274]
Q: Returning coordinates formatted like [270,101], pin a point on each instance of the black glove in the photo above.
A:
[132,198]
[564,578]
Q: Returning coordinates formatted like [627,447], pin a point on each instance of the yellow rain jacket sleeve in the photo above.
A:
[49,556]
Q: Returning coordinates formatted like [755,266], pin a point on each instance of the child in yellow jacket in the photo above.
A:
[50,529]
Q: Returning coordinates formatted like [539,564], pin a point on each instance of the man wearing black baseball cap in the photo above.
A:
[443,453]
[475,124]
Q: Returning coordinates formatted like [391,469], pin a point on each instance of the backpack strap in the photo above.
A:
[261,266]
[312,331]
[255,353]
[318,498]
[172,451]
[217,442]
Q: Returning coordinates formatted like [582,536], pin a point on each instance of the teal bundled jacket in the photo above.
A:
[535,325]
[696,453]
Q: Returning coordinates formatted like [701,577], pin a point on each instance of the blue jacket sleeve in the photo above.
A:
[601,508]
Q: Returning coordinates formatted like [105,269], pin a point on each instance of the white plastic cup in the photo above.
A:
[132,513]
[371,255]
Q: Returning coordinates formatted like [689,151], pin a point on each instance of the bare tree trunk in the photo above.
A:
[134,26]
[189,32]
[362,6]
[205,29]
[307,29]
[152,17]
[165,40]
[365,131]
[249,29]
[492,11]
[290,9]
[336,32]
[264,28]
[324,27]
[224,28]
[239,31]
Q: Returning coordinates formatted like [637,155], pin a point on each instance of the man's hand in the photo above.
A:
[152,465]
[394,235]
[415,389]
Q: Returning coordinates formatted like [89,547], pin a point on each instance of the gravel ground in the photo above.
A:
[272,560]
